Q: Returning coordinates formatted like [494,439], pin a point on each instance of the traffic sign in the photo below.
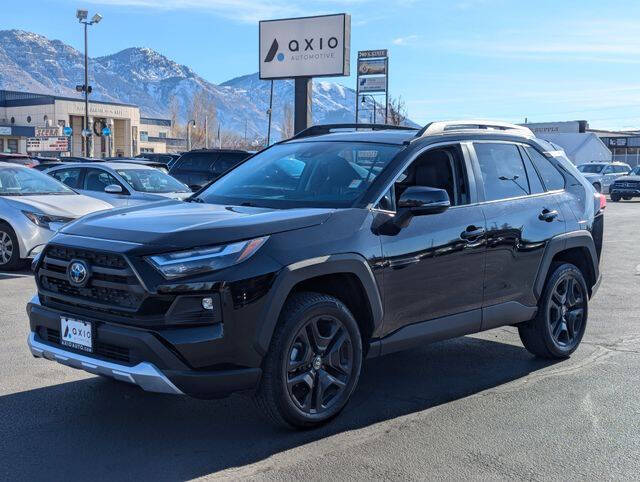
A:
[67,131]
[106,131]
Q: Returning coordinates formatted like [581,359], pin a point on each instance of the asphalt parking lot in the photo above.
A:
[478,407]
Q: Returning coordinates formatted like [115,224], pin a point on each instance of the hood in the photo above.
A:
[173,224]
[68,206]
[629,178]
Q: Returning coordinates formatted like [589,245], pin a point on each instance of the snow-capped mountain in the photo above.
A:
[141,76]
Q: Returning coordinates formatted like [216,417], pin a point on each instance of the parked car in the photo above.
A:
[287,272]
[602,174]
[199,167]
[120,183]
[22,159]
[165,158]
[32,207]
[140,161]
[45,163]
[626,187]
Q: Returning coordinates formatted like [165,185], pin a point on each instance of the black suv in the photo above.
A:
[199,167]
[626,187]
[318,252]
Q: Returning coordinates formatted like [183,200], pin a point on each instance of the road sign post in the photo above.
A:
[372,80]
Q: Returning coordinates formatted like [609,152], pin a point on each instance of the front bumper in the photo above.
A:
[152,359]
[625,191]
[144,374]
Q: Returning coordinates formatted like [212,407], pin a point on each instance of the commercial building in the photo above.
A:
[23,114]
[579,143]
[624,145]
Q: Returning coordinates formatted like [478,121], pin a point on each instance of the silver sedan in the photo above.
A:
[33,206]
[120,183]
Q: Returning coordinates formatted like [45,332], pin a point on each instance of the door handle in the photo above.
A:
[471,233]
[547,215]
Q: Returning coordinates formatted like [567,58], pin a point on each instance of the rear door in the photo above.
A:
[95,182]
[521,217]
[71,177]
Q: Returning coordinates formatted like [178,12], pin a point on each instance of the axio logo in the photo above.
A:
[273,50]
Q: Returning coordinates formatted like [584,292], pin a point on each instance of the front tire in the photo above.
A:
[598,186]
[9,249]
[313,363]
[560,323]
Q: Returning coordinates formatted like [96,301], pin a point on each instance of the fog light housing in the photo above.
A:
[207,304]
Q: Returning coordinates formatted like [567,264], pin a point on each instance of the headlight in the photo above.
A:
[203,260]
[43,220]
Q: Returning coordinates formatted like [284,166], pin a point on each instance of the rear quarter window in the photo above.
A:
[552,178]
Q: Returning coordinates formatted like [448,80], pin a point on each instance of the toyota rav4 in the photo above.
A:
[344,243]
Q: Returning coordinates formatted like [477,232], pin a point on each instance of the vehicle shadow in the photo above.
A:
[101,429]
[15,274]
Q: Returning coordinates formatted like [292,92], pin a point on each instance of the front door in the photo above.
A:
[434,267]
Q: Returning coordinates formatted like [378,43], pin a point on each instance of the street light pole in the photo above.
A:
[82,15]
[86,91]
[374,105]
[189,124]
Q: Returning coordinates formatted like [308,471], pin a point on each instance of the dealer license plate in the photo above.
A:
[76,334]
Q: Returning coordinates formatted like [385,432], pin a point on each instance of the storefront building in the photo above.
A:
[115,127]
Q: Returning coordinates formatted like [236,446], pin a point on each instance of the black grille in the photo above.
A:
[627,184]
[106,350]
[112,284]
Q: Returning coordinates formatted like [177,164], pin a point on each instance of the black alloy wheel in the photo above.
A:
[566,310]
[313,363]
[319,365]
[561,320]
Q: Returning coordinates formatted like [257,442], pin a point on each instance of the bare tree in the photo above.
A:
[174,115]
[397,111]
[202,106]
[287,123]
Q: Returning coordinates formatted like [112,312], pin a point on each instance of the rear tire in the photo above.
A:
[313,363]
[615,198]
[9,249]
[627,198]
[560,323]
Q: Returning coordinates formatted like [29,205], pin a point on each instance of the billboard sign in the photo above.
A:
[372,84]
[5,131]
[47,144]
[305,47]
[372,67]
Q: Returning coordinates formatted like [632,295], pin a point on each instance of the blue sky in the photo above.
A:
[544,60]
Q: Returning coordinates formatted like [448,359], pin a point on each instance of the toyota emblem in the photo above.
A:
[78,273]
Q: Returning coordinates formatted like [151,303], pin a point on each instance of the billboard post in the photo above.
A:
[303,48]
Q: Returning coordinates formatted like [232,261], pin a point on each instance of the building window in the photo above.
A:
[12,145]
[28,119]
[144,136]
[1,145]
[46,119]
[162,135]
[146,149]
[13,120]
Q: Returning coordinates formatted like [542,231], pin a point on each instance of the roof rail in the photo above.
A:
[321,129]
[442,127]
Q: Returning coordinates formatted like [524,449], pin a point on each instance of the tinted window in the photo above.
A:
[535,184]
[97,179]
[502,169]
[201,162]
[227,161]
[591,168]
[551,177]
[70,177]
[621,169]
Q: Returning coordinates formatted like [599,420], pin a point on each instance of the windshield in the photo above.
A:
[591,168]
[635,171]
[152,181]
[303,174]
[23,181]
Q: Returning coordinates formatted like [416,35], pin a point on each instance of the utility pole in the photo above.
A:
[206,132]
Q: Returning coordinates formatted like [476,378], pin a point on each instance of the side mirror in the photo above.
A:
[113,189]
[421,200]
